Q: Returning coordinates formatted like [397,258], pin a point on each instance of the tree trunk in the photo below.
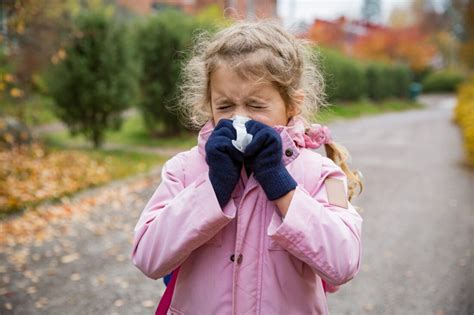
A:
[97,138]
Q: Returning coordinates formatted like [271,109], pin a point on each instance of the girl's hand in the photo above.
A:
[224,160]
[264,157]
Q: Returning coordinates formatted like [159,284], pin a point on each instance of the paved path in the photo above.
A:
[417,233]
[418,218]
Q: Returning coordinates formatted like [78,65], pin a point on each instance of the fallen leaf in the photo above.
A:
[148,303]
[42,301]
[31,290]
[75,277]
[118,303]
[69,258]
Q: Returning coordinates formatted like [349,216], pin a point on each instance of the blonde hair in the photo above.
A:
[262,49]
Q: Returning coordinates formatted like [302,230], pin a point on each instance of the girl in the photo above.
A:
[268,230]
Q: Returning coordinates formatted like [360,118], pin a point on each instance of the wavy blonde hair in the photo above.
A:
[262,49]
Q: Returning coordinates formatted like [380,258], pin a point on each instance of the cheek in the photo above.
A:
[263,119]
[276,116]
[218,117]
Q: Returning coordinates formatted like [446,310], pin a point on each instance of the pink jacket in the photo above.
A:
[244,258]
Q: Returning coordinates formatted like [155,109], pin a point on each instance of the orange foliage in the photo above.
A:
[407,44]
[376,42]
[327,33]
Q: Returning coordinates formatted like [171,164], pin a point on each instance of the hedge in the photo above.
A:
[350,79]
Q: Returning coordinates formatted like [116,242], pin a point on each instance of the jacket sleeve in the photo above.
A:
[177,220]
[324,236]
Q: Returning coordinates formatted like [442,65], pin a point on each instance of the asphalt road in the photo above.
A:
[418,206]
[418,214]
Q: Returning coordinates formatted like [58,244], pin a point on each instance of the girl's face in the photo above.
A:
[232,95]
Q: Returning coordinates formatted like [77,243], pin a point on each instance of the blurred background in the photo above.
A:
[86,122]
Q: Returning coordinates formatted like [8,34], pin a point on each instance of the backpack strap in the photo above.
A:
[165,301]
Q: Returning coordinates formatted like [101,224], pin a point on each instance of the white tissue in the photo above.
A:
[243,138]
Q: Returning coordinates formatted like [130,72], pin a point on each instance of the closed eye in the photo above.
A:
[257,106]
[224,106]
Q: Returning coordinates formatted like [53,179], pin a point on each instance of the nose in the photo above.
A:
[241,111]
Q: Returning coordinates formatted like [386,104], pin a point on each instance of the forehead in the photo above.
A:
[224,81]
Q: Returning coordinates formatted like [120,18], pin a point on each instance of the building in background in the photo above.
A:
[243,9]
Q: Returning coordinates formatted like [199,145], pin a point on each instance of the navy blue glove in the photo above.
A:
[224,160]
[263,156]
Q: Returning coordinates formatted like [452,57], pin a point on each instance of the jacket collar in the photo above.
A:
[292,136]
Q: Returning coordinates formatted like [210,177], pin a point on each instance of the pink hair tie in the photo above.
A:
[317,135]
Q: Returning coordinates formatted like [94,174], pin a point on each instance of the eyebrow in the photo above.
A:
[251,97]
[257,89]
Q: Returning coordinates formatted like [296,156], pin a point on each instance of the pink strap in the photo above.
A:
[165,301]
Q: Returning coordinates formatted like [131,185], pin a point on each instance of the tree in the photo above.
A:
[467,48]
[163,43]
[34,30]
[401,17]
[406,45]
[95,77]
[329,33]
[444,25]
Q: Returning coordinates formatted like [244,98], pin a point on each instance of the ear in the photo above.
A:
[295,107]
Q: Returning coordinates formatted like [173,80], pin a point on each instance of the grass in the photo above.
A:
[363,108]
[132,133]
[36,110]
[85,168]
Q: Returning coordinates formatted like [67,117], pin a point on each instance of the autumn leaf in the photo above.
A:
[148,303]
[69,258]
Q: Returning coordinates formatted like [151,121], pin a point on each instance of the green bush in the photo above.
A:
[442,81]
[350,79]
[96,79]
[163,42]
[382,81]
[402,77]
[345,77]
[387,80]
